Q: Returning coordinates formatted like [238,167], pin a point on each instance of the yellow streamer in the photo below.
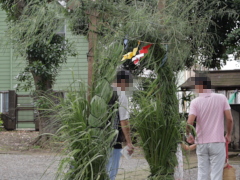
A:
[131,54]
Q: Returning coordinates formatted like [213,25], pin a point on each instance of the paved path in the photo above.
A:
[137,169]
[44,166]
[27,167]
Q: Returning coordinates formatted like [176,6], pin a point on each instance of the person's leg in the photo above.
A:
[203,162]
[178,170]
[217,155]
[113,163]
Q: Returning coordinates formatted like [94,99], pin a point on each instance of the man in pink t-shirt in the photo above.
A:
[209,109]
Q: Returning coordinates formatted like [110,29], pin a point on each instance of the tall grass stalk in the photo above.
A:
[87,134]
[157,124]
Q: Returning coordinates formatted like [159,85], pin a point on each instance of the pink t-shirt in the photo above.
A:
[209,109]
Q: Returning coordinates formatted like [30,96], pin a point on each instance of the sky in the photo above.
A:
[231,64]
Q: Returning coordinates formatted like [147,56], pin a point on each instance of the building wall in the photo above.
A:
[5,58]
[76,67]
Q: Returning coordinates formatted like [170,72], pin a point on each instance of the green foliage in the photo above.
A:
[88,141]
[12,8]
[44,60]
[232,43]
[226,26]
[158,123]
[44,101]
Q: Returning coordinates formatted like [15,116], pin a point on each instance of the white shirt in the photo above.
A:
[123,105]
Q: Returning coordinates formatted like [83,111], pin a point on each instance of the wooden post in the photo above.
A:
[12,105]
[92,39]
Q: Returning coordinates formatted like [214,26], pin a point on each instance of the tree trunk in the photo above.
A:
[44,97]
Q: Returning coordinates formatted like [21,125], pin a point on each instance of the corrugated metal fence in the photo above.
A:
[4,101]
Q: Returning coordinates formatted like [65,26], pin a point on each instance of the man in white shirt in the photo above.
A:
[123,81]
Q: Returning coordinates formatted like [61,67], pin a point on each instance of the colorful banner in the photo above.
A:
[136,58]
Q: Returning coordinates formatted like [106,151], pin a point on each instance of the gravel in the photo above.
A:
[44,167]
[28,167]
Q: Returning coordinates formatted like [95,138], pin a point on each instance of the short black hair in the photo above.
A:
[203,80]
[123,74]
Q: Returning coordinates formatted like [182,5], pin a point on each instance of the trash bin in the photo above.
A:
[8,122]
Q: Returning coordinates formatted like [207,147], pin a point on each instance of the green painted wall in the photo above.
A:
[5,57]
[76,67]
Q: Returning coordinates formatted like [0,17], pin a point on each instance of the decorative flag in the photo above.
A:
[145,49]
[137,57]
[130,54]
[142,52]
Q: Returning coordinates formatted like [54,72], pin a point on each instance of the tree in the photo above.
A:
[231,28]
[225,28]
[44,55]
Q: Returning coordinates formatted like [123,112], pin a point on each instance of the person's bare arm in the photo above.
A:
[191,119]
[229,119]
[191,147]
[126,131]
